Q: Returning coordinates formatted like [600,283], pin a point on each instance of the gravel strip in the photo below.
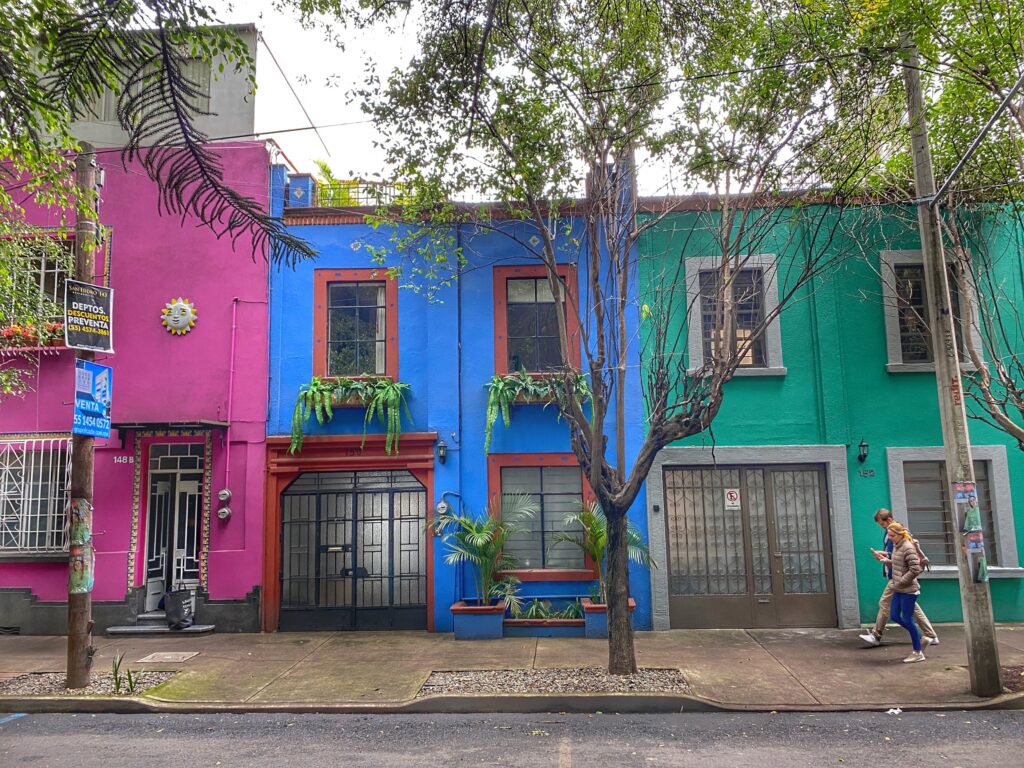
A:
[52,684]
[575,680]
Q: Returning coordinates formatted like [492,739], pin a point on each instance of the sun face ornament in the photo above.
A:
[179,316]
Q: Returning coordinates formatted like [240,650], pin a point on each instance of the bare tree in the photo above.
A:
[545,107]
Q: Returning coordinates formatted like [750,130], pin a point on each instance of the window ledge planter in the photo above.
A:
[595,616]
[507,390]
[478,622]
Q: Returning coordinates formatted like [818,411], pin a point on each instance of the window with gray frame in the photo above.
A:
[532,325]
[34,477]
[930,516]
[556,492]
[748,298]
[912,312]
[356,341]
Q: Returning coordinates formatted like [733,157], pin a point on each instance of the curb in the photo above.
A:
[618,703]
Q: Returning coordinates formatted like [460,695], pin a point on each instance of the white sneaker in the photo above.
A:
[870,638]
[929,641]
[934,640]
[915,656]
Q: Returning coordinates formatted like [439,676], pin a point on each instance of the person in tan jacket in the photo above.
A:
[873,636]
[906,566]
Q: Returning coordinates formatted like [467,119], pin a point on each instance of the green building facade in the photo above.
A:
[766,520]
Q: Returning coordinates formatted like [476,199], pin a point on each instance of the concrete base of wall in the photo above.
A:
[21,612]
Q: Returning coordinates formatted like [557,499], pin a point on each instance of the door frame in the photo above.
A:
[140,499]
[834,459]
[333,453]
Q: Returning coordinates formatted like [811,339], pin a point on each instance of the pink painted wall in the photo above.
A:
[168,379]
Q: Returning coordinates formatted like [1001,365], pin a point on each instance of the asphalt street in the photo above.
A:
[950,739]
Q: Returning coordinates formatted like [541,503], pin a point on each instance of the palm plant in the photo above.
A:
[480,543]
[591,535]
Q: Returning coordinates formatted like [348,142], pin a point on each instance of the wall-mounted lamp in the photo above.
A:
[862,451]
[442,451]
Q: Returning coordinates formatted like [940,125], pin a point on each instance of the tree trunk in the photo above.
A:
[621,655]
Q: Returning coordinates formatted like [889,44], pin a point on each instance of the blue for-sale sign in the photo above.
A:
[93,387]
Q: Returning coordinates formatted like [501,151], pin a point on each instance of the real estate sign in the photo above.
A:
[88,316]
[93,389]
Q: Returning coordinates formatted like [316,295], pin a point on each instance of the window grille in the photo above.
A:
[748,304]
[912,312]
[556,492]
[34,481]
[930,517]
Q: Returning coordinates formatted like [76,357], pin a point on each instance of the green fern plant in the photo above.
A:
[480,543]
[588,530]
[381,397]
[505,390]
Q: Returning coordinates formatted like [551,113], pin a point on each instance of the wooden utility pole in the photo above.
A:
[81,554]
[979,627]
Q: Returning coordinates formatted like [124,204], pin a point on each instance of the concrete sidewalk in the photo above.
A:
[729,669]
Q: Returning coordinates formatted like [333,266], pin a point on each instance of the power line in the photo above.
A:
[292,89]
[250,135]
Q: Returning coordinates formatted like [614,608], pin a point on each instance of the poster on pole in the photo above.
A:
[93,389]
[88,316]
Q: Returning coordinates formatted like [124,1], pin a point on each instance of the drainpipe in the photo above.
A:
[231,391]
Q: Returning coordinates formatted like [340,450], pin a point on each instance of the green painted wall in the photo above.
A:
[836,389]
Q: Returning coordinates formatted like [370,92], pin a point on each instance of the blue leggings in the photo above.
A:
[903,614]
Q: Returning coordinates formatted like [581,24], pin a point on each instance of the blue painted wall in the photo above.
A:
[430,334]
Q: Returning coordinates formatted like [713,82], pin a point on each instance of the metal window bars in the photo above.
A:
[35,478]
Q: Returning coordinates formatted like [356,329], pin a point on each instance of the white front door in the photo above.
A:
[174,520]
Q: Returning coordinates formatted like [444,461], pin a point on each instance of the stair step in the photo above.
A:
[160,629]
[152,617]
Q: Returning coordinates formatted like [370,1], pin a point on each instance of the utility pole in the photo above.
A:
[81,553]
[979,627]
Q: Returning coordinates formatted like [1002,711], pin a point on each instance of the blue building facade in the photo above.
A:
[348,544]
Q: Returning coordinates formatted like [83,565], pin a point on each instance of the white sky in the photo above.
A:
[321,75]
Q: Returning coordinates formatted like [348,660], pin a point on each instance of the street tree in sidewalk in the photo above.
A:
[547,107]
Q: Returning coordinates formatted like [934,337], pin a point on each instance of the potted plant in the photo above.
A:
[591,536]
[19,336]
[479,543]
[55,334]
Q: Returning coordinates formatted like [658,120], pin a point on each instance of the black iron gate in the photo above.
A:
[353,552]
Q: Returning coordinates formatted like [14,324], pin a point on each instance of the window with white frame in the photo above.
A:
[754,294]
[34,479]
[919,490]
[905,301]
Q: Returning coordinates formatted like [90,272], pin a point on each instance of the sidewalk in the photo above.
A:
[332,671]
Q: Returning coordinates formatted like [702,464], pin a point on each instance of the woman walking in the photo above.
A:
[906,565]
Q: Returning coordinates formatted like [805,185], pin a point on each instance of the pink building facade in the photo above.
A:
[179,485]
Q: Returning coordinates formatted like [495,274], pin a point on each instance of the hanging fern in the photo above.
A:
[381,397]
[504,391]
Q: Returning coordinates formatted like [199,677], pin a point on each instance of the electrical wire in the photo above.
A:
[296,95]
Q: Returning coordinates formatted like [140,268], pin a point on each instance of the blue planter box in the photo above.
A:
[595,618]
[478,622]
[544,628]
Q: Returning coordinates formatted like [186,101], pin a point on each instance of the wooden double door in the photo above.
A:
[749,546]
